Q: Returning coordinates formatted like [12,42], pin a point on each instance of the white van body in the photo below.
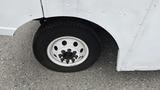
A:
[134,24]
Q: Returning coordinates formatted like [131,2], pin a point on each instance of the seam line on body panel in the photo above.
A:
[42,7]
[141,24]
[139,30]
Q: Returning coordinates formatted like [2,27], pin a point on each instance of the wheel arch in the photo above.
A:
[98,28]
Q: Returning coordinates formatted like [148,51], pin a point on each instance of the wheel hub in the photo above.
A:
[68,55]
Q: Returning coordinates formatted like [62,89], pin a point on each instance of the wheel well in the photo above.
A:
[103,34]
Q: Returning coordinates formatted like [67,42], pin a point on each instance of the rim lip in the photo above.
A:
[51,44]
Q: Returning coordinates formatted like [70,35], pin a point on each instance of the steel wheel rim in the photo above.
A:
[67,51]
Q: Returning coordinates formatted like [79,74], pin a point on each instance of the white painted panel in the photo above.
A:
[14,13]
[145,54]
[121,18]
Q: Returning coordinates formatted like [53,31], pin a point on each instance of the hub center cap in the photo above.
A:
[68,56]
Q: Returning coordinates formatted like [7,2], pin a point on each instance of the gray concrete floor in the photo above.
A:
[19,70]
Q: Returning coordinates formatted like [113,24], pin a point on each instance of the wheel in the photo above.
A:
[66,45]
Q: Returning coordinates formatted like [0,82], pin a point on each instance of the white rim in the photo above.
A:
[67,51]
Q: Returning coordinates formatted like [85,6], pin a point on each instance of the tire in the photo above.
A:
[69,29]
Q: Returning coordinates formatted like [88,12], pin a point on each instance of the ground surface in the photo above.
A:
[19,70]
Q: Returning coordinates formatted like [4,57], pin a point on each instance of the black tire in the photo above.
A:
[65,27]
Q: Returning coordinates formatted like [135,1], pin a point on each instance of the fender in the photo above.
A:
[122,19]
